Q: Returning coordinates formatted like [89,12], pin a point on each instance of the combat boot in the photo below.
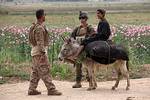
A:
[77,85]
[33,92]
[54,92]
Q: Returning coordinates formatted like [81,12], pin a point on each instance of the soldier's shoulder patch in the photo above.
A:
[30,27]
[90,26]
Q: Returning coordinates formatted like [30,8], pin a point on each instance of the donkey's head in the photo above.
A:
[68,49]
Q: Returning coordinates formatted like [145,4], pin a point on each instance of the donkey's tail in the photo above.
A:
[127,64]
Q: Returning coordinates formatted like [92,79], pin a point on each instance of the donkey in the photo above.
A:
[70,47]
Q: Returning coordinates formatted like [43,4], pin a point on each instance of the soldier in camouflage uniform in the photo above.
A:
[38,38]
[84,30]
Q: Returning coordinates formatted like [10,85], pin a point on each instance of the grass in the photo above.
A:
[67,7]
[8,71]
[2,81]
[71,20]
[13,64]
[66,14]
[61,72]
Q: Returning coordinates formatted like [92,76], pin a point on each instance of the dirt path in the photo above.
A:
[140,90]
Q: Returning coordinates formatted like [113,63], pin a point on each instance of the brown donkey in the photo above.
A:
[70,47]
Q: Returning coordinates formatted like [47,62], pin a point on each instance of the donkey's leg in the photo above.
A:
[117,69]
[117,80]
[128,82]
[94,84]
[94,74]
[125,73]
[93,81]
[91,75]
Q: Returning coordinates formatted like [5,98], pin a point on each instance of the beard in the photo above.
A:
[43,19]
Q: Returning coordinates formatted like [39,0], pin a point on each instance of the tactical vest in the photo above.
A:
[81,36]
[31,37]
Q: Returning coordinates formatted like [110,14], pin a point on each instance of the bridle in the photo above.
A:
[70,55]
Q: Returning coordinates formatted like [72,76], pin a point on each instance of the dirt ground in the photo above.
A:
[140,90]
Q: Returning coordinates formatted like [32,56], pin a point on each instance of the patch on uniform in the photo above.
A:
[80,39]
[82,31]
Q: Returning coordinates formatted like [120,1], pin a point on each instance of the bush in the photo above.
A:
[3,11]
[14,49]
[13,71]
[61,71]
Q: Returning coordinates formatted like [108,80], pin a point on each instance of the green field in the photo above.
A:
[15,59]
[71,20]
[69,7]
[63,14]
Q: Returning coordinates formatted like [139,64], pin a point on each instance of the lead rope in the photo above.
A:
[108,55]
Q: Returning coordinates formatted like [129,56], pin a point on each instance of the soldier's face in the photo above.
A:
[99,15]
[83,19]
[43,17]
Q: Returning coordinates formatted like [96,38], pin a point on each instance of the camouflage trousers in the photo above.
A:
[79,74]
[40,70]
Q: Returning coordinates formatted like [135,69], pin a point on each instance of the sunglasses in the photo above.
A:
[82,17]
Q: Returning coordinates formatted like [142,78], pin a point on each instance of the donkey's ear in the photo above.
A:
[62,38]
[65,39]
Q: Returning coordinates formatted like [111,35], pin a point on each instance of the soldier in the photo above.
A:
[38,38]
[81,32]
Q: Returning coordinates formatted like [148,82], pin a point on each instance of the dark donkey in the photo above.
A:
[107,56]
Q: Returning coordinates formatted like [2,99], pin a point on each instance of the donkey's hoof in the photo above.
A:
[94,88]
[113,88]
[91,88]
[127,88]
[95,85]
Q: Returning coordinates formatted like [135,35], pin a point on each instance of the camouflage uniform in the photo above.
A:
[80,34]
[38,39]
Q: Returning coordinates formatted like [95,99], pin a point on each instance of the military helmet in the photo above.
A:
[83,15]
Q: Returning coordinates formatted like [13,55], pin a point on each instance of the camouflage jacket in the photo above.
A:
[79,34]
[38,38]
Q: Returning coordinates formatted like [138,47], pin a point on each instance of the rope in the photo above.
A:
[108,54]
